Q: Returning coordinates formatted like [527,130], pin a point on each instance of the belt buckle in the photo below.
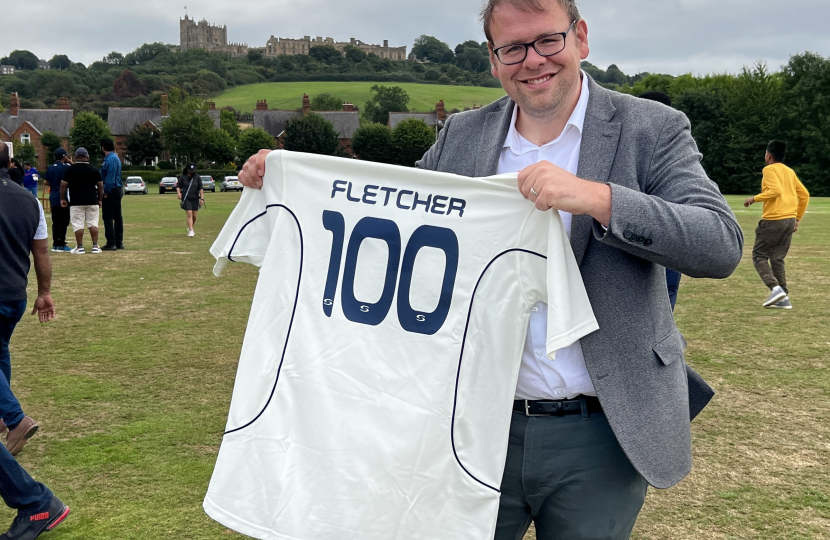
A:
[528,413]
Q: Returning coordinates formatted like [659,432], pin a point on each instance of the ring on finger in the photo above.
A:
[533,192]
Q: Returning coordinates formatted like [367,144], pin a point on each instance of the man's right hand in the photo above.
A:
[44,308]
[253,170]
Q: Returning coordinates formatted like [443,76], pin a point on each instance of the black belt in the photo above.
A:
[557,408]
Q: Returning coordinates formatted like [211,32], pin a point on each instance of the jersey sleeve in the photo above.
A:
[570,316]
[42,233]
[247,233]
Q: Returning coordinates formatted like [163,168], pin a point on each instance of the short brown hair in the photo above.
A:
[538,6]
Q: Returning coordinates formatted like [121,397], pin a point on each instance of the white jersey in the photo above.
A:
[374,391]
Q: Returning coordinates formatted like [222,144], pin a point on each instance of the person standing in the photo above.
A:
[82,191]
[191,195]
[30,178]
[22,231]
[60,215]
[785,201]
[16,172]
[113,193]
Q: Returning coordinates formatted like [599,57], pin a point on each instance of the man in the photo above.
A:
[113,193]
[82,191]
[785,201]
[30,178]
[625,175]
[60,215]
[22,230]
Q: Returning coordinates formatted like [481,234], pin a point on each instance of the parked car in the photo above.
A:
[208,184]
[230,183]
[168,183]
[135,184]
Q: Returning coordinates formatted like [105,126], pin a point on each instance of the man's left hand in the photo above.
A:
[44,308]
[554,187]
[749,202]
[64,204]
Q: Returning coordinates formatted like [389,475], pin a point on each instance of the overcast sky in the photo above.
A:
[659,36]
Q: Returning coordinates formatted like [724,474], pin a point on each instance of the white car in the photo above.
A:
[135,184]
[230,183]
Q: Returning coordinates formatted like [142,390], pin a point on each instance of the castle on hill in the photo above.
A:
[214,38]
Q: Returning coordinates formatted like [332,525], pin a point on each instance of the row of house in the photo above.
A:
[21,126]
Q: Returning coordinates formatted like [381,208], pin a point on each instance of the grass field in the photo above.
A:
[289,96]
[131,386]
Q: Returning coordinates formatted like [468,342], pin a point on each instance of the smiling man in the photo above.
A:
[611,414]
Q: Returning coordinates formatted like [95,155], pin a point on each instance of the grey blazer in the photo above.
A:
[665,213]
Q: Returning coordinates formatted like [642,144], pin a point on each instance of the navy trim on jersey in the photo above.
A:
[461,356]
[293,313]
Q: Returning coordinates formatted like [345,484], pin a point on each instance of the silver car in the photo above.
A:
[230,183]
[208,184]
[135,184]
[168,183]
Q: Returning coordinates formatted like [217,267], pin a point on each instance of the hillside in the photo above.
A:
[288,96]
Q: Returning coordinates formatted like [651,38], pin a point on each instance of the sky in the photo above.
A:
[658,36]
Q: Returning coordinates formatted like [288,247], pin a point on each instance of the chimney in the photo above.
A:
[476,107]
[165,105]
[348,107]
[385,43]
[211,105]
[14,104]
[262,105]
[440,112]
[63,104]
[306,104]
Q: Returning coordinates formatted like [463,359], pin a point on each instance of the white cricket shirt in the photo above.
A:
[374,389]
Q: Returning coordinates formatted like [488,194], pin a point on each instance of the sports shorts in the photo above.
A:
[83,217]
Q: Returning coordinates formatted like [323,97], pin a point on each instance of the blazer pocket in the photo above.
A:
[670,348]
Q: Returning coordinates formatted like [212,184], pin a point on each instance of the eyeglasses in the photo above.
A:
[549,45]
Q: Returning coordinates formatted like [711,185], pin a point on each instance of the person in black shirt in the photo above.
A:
[82,191]
[191,195]
[60,215]
[16,172]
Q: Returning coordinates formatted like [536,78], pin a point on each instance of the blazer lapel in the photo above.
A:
[600,138]
[491,140]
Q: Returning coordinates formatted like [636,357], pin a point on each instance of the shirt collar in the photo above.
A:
[519,145]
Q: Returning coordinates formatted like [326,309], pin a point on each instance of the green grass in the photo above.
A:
[131,386]
[289,96]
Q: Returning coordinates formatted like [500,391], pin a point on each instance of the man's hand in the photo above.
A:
[44,308]
[554,187]
[749,202]
[64,204]
[253,170]
[797,223]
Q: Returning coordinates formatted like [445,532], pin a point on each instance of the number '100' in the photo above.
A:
[387,231]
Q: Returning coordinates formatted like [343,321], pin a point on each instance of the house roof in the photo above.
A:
[122,120]
[396,118]
[58,121]
[345,122]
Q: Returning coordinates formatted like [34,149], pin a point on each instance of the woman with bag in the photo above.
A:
[191,195]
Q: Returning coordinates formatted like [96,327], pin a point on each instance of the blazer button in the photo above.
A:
[628,234]
[648,241]
[641,239]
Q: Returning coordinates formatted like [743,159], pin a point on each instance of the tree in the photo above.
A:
[326,102]
[432,49]
[187,128]
[144,144]
[312,134]
[227,122]
[385,100]
[23,60]
[60,61]
[373,142]
[50,142]
[114,58]
[87,132]
[128,85]
[25,152]
[146,53]
[253,140]
[354,54]
[325,54]
[410,141]
[220,147]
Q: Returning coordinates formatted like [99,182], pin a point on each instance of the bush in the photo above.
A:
[166,165]
[312,134]
[373,142]
[410,141]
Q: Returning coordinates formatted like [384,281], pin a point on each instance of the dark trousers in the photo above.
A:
[10,315]
[113,221]
[569,476]
[772,243]
[19,490]
[673,278]
[60,222]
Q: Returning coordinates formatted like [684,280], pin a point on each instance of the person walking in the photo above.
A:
[60,215]
[113,193]
[30,178]
[191,195]
[624,175]
[785,201]
[82,191]
[22,231]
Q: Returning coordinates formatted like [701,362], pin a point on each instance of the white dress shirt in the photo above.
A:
[565,377]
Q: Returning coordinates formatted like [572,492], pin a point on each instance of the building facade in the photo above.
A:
[289,46]
[20,126]
[203,35]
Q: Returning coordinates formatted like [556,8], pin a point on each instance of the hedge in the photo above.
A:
[154,177]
